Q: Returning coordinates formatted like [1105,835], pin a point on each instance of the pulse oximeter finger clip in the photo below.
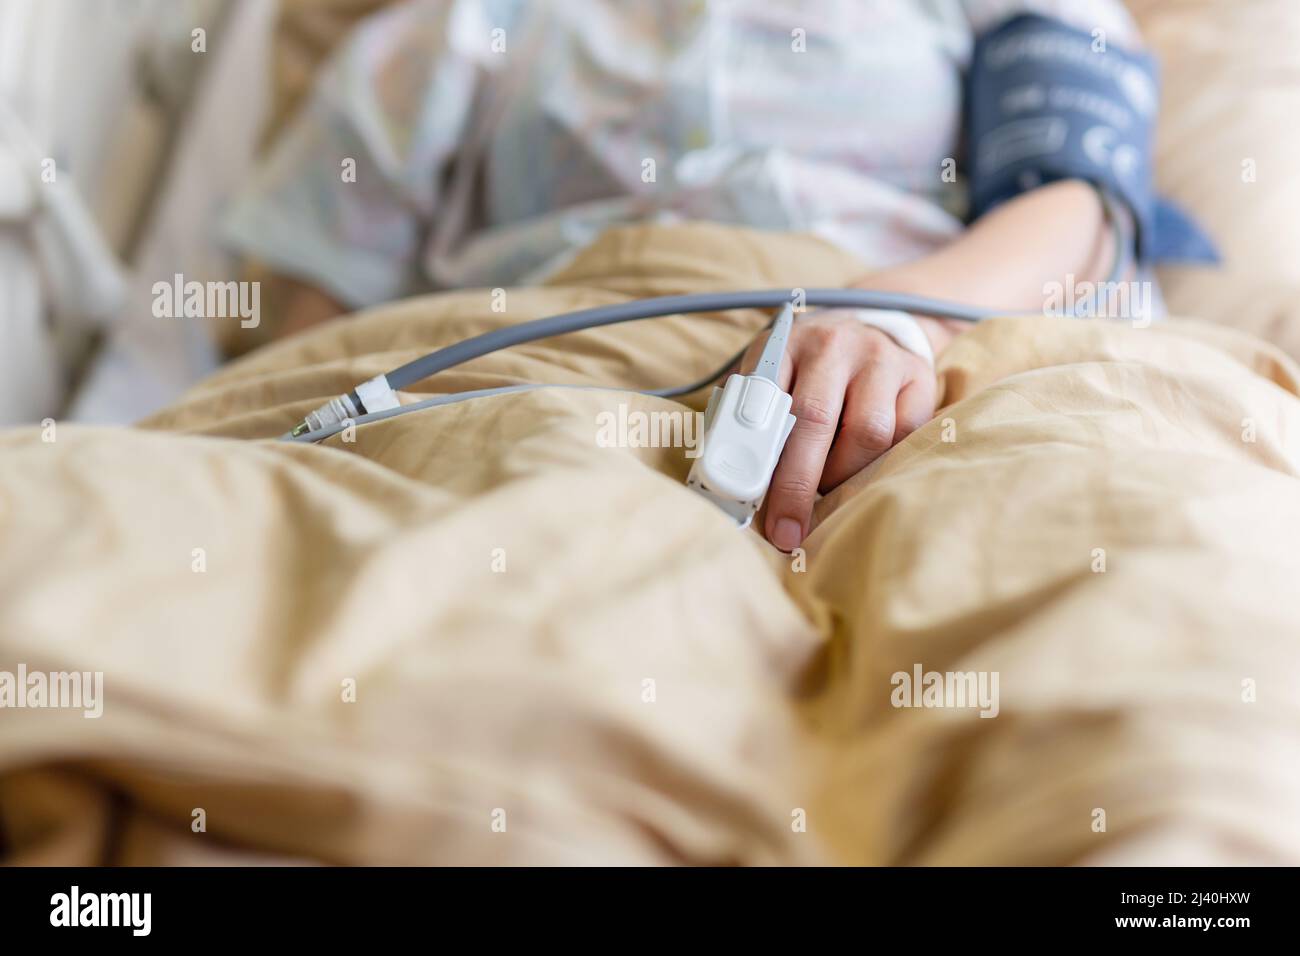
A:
[746,426]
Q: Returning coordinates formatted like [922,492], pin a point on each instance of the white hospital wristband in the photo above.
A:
[901,327]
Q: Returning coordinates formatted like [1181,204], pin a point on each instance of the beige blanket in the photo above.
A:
[474,635]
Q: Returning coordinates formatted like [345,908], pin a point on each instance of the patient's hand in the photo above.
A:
[856,393]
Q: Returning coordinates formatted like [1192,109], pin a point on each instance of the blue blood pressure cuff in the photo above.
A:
[1047,102]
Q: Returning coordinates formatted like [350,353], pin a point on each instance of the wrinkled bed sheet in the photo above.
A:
[474,635]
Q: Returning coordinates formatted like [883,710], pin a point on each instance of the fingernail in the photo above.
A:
[787,534]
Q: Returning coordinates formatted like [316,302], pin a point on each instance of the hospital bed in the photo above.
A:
[146,126]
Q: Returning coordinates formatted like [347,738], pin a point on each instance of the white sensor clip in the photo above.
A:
[746,426]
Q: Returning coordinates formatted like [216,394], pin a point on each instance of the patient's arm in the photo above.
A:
[857,393]
[1004,259]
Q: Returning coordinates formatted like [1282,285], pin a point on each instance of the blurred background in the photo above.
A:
[145,115]
[147,138]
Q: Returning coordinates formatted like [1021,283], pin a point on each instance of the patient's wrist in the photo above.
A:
[940,332]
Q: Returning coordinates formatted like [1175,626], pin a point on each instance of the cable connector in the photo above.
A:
[333,412]
[373,395]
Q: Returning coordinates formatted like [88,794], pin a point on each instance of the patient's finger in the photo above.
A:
[818,398]
[867,430]
[915,406]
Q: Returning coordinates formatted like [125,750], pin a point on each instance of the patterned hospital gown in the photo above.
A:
[455,143]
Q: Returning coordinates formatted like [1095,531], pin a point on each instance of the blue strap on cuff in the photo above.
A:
[1044,105]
